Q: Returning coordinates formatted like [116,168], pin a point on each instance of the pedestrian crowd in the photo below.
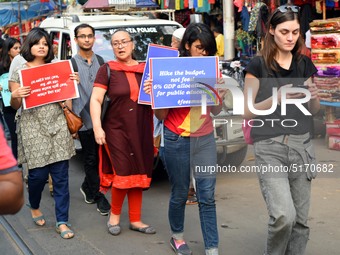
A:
[118,144]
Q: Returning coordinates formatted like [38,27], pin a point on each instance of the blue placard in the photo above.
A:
[5,93]
[154,50]
[182,82]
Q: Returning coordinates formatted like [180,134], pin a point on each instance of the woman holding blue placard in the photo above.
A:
[189,143]
[124,135]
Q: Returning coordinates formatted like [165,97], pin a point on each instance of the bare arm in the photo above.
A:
[96,102]
[11,192]
[161,113]
[221,92]
[18,93]
[73,76]
[314,103]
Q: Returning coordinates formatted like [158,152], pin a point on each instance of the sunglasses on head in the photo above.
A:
[285,8]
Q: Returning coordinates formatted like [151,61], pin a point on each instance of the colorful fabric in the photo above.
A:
[203,6]
[325,41]
[254,16]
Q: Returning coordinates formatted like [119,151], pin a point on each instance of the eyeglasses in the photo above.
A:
[123,44]
[285,8]
[84,36]
[199,48]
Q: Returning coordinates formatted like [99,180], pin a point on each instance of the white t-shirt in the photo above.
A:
[17,62]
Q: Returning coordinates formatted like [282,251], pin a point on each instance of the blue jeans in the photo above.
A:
[36,182]
[287,196]
[183,154]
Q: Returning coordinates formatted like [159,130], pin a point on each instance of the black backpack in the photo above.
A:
[106,100]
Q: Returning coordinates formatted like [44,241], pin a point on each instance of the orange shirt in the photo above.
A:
[189,121]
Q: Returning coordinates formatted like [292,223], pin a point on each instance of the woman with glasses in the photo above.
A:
[124,135]
[283,149]
[189,142]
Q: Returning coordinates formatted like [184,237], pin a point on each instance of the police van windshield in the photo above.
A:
[143,35]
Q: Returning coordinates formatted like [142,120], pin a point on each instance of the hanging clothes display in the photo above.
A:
[306,15]
[325,43]
[198,5]
[258,19]
[245,18]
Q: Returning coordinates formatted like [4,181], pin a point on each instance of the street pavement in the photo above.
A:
[242,218]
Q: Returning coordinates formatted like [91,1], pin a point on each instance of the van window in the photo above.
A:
[54,36]
[66,51]
[143,35]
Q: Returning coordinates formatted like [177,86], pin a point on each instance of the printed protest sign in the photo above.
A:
[182,82]
[154,51]
[49,83]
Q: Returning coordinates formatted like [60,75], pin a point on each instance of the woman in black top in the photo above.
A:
[283,150]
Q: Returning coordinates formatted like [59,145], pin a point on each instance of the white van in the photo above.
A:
[143,29]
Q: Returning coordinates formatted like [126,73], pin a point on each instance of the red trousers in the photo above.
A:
[134,199]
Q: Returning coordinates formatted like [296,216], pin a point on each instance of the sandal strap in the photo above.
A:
[41,217]
[64,233]
[61,223]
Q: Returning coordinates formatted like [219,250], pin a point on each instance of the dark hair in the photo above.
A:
[83,25]
[218,29]
[8,45]
[33,37]
[2,41]
[201,32]
[121,30]
[270,48]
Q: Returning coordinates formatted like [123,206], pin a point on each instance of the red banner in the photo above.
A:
[49,83]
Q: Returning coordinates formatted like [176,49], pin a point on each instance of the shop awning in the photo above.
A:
[9,11]
[96,4]
[104,4]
